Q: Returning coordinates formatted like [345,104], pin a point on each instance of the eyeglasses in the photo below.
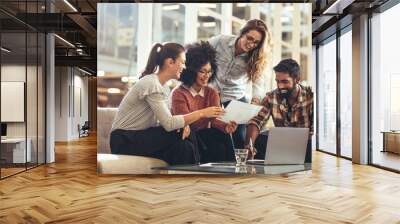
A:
[209,73]
[251,40]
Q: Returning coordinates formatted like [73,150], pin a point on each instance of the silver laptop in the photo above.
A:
[285,146]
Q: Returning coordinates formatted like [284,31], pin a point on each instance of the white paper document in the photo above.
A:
[240,112]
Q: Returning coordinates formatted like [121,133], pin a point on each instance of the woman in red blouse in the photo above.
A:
[194,94]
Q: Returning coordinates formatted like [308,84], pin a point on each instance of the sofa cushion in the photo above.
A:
[126,164]
[105,118]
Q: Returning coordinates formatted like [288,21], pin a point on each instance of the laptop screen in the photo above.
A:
[286,145]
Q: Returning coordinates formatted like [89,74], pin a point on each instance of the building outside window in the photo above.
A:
[385,84]
[327,96]
[119,63]
[346,94]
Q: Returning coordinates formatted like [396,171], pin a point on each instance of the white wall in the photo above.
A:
[71,94]
[14,73]
[61,103]
[33,127]
[80,111]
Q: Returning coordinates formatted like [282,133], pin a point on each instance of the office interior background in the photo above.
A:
[39,108]
[49,84]
[344,115]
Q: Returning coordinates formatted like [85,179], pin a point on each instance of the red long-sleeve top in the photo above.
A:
[186,100]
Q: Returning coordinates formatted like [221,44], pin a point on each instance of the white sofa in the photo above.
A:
[108,163]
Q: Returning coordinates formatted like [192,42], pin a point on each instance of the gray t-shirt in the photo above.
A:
[232,80]
[146,105]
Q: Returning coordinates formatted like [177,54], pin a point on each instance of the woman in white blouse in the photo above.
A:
[144,125]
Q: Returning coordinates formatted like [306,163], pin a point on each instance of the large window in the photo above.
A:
[107,31]
[285,22]
[241,10]
[117,54]
[385,83]
[346,94]
[327,96]
[209,23]
[126,31]
[169,22]
[215,7]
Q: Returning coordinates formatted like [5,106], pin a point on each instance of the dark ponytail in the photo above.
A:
[159,53]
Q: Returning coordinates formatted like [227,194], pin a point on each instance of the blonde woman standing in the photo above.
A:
[240,60]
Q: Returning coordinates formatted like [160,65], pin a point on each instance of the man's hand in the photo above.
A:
[252,151]
[251,135]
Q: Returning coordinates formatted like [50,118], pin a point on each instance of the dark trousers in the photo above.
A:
[240,134]
[261,147]
[215,145]
[157,143]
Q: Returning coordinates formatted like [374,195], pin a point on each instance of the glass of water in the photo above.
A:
[241,156]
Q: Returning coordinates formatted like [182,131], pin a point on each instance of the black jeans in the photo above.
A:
[215,145]
[240,134]
[261,147]
[157,143]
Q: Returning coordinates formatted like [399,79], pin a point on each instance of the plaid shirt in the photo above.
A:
[301,114]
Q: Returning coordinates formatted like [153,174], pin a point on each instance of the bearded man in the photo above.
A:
[289,105]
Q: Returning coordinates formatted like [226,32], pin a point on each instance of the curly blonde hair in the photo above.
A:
[257,58]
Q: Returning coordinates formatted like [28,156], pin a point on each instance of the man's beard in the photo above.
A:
[286,93]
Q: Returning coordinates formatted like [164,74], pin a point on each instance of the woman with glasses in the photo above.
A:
[241,60]
[144,125]
[194,94]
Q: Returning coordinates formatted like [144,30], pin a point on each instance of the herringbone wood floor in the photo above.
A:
[70,191]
